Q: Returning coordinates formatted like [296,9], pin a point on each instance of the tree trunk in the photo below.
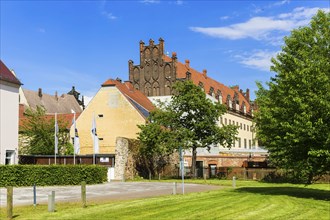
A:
[193,162]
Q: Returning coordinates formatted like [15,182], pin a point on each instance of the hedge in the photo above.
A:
[41,175]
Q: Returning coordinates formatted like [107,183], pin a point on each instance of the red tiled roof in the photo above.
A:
[128,90]
[7,75]
[197,77]
[61,118]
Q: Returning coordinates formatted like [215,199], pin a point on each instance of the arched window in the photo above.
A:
[155,89]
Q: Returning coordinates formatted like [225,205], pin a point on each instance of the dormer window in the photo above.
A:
[211,93]
[219,96]
[236,101]
[229,102]
[201,85]
[244,107]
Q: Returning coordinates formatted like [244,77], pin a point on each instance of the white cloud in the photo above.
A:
[224,18]
[105,12]
[150,1]
[109,15]
[262,28]
[258,59]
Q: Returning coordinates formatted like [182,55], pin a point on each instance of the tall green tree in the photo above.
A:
[38,132]
[293,120]
[154,152]
[190,121]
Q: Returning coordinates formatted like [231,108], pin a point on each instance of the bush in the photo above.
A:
[41,175]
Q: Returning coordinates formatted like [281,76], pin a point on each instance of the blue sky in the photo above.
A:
[57,44]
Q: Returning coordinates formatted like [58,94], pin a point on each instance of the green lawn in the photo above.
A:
[250,200]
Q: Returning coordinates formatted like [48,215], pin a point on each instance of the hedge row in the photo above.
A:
[41,175]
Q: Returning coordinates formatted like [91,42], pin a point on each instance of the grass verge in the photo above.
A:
[250,200]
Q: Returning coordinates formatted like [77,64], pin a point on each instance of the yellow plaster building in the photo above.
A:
[118,108]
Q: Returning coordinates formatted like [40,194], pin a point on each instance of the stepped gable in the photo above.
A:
[133,95]
[6,75]
[52,103]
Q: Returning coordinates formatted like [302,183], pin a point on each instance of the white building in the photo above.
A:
[9,111]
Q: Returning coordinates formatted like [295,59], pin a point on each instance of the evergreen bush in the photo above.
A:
[41,175]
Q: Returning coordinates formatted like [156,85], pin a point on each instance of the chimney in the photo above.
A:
[236,87]
[205,73]
[187,63]
[40,92]
[118,79]
[56,96]
[247,95]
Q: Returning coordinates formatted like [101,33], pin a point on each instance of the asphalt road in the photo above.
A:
[107,191]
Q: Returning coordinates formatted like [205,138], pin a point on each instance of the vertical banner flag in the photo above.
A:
[56,132]
[94,136]
[76,144]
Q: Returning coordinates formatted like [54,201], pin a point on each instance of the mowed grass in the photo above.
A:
[249,200]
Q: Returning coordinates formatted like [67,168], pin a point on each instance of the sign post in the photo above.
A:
[182,168]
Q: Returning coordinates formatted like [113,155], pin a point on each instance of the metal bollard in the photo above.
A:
[234,181]
[51,202]
[34,195]
[174,188]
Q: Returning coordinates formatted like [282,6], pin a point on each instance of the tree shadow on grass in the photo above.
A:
[297,192]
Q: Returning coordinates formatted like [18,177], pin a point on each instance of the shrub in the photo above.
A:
[41,175]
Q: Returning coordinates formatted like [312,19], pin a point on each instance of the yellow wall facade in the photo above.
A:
[115,117]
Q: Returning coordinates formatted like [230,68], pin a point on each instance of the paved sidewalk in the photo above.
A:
[106,191]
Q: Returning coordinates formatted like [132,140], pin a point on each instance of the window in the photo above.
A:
[221,120]
[239,143]
[219,96]
[10,157]
[237,123]
[229,102]
[250,144]
[211,93]
[229,121]
[245,143]
[201,85]
[100,115]
[244,127]
[225,121]
[101,139]
[247,127]
[241,126]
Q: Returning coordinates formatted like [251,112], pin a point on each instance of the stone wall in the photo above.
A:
[121,151]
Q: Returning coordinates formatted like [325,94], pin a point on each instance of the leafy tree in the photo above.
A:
[38,134]
[154,152]
[293,120]
[190,120]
